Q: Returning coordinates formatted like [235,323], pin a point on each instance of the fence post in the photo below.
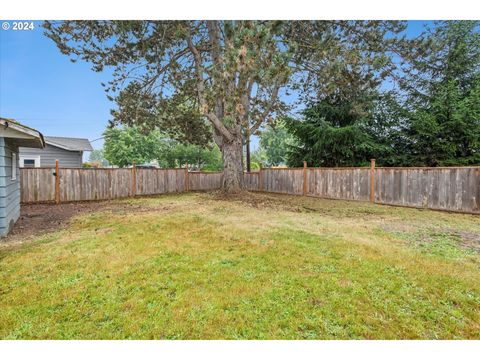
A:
[372,180]
[57,182]
[187,180]
[134,179]
[305,179]
[260,179]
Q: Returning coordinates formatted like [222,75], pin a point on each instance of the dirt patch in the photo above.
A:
[470,240]
[38,219]
[302,204]
[398,227]
[262,201]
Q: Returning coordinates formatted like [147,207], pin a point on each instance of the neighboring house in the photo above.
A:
[68,151]
[12,136]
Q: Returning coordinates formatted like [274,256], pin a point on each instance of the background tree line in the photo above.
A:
[125,145]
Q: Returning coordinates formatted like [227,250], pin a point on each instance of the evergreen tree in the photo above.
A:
[334,132]
[442,97]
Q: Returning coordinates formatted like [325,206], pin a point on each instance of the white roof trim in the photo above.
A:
[22,129]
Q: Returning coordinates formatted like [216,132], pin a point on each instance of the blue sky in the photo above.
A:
[43,89]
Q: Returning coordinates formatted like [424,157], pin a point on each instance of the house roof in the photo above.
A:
[68,143]
[20,134]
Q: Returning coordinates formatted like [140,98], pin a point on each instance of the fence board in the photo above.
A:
[251,180]
[205,181]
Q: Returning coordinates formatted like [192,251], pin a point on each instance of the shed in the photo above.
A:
[68,151]
[12,136]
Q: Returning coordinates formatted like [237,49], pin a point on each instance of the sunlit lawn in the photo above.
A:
[275,267]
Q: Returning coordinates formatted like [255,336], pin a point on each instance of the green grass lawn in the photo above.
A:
[198,266]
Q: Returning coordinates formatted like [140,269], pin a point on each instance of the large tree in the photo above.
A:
[234,74]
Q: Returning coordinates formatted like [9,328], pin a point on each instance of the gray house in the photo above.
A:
[12,136]
[68,151]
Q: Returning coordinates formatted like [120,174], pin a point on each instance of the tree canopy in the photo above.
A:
[367,90]
[126,145]
[226,79]
[204,158]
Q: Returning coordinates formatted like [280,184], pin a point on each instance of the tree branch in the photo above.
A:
[219,126]
[267,110]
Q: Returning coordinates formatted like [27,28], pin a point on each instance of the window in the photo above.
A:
[29,161]
[14,166]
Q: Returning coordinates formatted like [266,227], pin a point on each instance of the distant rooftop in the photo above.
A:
[68,143]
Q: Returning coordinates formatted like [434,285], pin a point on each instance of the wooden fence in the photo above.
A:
[41,184]
[37,185]
[448,188]
[451,189]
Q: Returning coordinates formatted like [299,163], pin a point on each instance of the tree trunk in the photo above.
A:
[233,165]
[248,152]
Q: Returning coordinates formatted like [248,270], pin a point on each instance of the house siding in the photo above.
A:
[50,153]
[9,189]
